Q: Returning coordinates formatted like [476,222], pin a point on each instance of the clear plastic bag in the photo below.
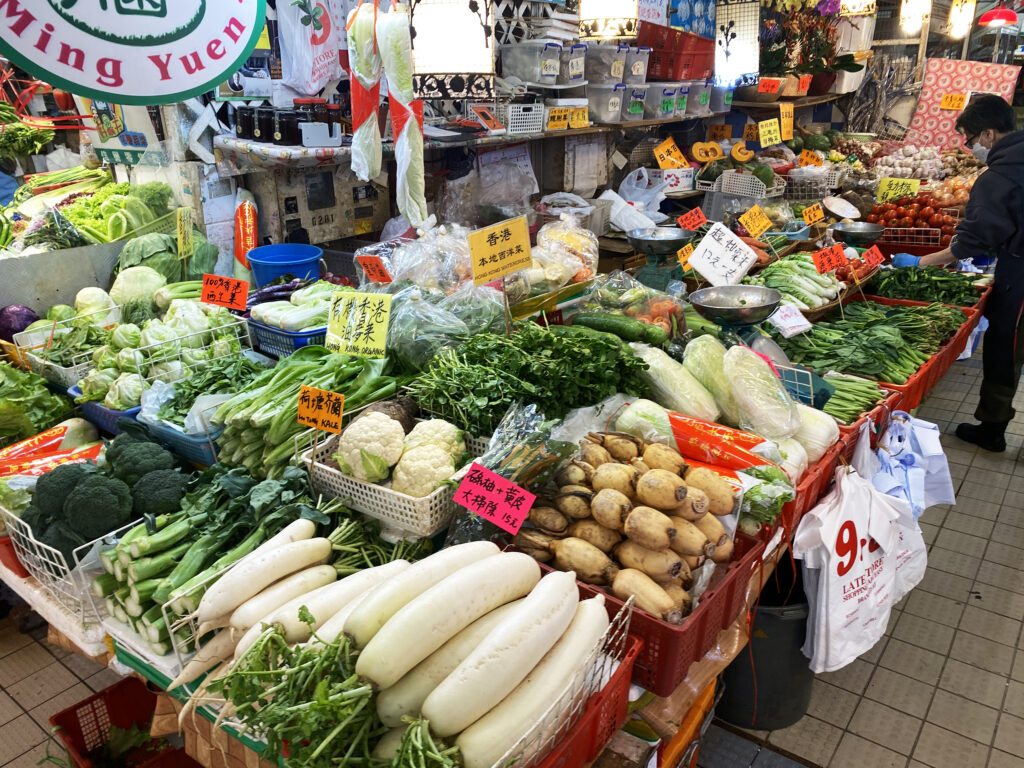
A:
[619,293]
[571,239]
[763,405]
[419,330]
[480,307]
[646,197]
[439,260]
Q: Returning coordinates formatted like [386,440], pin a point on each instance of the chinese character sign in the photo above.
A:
[769,132]
[374,268]
[494,498]
[809,157]
[692,220]
[499,250]
[719,131]
[769,85]
[184,231]
[684,254]
[756,221]
[894,189]
[789,320]
[953,101]
[873,257]
[829,259]
[225,292]
[668,155]
[320,409]
[813,213]
[721,257]
[786,120]
[358,323]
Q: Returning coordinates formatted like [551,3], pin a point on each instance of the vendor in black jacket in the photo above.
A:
[993,223]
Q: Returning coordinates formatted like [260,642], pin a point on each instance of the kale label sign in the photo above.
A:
[131,51]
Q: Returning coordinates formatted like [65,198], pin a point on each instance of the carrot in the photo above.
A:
[754,243]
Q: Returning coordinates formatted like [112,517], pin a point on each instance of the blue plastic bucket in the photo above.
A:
[272,261]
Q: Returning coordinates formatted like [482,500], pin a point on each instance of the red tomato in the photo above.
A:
[927,212]
[935,220]
[922,224]
[945,240]
[948,230]
[913,209]
[901,211]
[907,222]
[888,207]
[948,220]
[872,218]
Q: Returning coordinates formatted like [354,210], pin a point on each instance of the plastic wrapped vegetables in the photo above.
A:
[395,46]
[365,62]
[674,387]
[704,357]
[763,404]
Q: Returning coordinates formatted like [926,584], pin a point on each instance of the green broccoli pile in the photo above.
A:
[74,504]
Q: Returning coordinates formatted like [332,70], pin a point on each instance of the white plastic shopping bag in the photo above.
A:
[848,545]
[644,194]
[913,465]
[311,34]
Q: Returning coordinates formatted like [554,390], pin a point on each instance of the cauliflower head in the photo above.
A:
[370,446]
[437,432]
[422,470]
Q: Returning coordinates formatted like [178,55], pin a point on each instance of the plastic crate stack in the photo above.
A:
[676,55]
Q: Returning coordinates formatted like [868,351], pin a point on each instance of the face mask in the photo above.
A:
[980,152]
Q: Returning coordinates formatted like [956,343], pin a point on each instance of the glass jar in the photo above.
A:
[245,118]
[286,128]
[264,127]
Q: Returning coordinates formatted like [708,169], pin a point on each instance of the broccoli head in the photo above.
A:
[35,519]
[118,445]
[64,540]
[158,493]
[53,487]
[97,506]
[139,459]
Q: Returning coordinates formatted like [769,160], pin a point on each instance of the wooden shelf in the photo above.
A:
[803,101]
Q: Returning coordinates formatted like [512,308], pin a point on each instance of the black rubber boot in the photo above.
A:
[989,435]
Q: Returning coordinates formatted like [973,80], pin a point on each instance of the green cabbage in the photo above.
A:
[648,421]
[704,358]
[89,300]
[136,284]
[125,392]
[674,387]
[96,384]
[125,335]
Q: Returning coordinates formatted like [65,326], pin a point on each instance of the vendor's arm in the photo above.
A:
[988,221]
[939,258]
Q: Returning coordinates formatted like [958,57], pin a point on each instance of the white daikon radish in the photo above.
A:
[322,603]
[334,627]
[371,615]
[207,657]
[389,743]
[505,657]
[209,626]
[249,578]
[280,592]
[487,740]
[432,619]
[406,697]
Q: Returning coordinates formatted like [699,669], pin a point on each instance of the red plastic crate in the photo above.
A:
[86,725]
[656,35]
[668,65]
[700,66]
[605,713]
[808,491]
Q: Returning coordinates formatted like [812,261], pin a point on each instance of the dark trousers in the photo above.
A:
[1003,354]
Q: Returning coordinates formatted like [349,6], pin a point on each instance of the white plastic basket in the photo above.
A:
[177,350]
[523,118]
[746,184]
[31,343]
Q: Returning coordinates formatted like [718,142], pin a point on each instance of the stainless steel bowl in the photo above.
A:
[658,241]
[736,304]
[857,232]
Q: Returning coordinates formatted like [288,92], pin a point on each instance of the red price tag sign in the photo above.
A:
[805,82]
[769,85]
[684,254]
[813,213]
[494,498]
[320,409]
[225,292]
[374,268]
[692,220]
[808,157]
[829,259]
[873,257]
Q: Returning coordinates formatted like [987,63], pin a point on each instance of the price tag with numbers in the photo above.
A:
[873,257]
[494,498]
[804,82]
[684,254]
[813,213]
[320,409]
[829,259]
[809,157]
[769,132]
[789,320]
[895,189]
[769,85]
[225,292]
[786,120]
[750,132]
[954,101]
[691,220]
[669,155]
[374,268]
[719,131]
[755,221]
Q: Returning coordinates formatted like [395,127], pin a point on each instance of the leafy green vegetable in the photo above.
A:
[221,376]
[926,284]
[74,343]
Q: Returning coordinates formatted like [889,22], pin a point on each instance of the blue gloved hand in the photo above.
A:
[905,260]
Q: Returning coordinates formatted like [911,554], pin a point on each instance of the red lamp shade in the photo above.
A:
[997,17]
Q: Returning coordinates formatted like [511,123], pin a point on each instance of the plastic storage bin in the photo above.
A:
[721,99]
[104,418]
[605,64]
[573,64]
[532,61]
[682,97]
[636,65]
[633,102]
[605,102]
[660,101]
[699,101]
[269,262]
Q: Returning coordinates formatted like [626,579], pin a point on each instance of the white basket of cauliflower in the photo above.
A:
[394,468]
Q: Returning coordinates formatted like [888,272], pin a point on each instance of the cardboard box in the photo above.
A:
[328,203]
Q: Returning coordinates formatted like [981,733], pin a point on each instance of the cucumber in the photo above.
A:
[582,330]
[655,335]
[624,327]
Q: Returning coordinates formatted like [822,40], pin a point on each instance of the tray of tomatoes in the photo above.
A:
[914,221]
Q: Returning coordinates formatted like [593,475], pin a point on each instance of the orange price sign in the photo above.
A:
[809,157]
[320,409]
[750,132]
[684,254]
[755,221]
[829,259]
[374,268]
[954,101]
[769,85]
[225,292]
[873,257]
[691,220]
[719,131]
[813,213]
[804,83]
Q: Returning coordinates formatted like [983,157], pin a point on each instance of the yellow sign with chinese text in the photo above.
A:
[320,409]
[756,221]
[184,230]
[813,213]
[719,131]
[769,132]
[558,119]
[750,132]
[684,255]
[499,250]
[358,323]
[668,155]
[894,189]
[786,120]
[579,117]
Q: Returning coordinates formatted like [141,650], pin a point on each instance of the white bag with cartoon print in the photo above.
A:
[311,33]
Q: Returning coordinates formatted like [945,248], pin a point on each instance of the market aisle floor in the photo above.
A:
[945,687]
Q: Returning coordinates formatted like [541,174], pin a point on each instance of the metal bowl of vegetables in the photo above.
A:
[857,232]
[735,304]
[658,241]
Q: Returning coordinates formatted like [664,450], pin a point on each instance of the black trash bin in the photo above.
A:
[783,674]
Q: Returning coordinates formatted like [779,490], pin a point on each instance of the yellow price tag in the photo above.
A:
[719,131]
[499,249]
[320,409]
[769,133]
[668,155]
[184,228]
[895,189]
[953,101]
[808,157]
[358,323]
[558,119]
[750,132]
[786,120]
[755,221]
[579,117]
[813,213]
[684,255]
